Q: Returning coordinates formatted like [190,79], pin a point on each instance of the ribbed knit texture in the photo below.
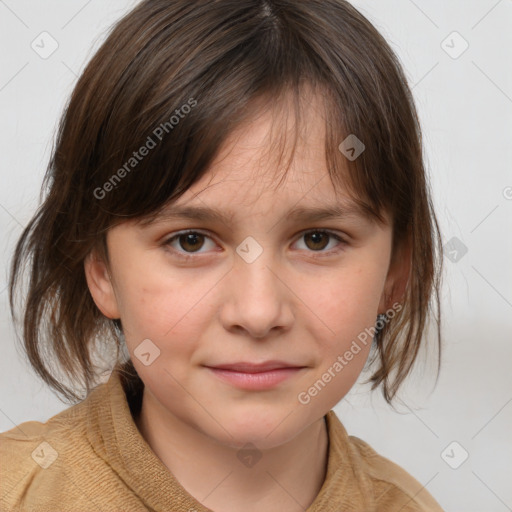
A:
[103,464]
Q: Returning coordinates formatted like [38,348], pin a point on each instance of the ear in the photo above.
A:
[398,275]
[100,285]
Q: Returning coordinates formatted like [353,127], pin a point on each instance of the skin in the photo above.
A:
[302,300]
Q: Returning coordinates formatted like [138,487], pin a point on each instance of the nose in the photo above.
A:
[258,301]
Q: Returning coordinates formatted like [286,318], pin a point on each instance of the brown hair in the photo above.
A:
[183,74]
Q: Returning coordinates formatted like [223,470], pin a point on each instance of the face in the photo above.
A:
[259,286]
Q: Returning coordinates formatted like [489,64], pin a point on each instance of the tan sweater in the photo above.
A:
[91,457]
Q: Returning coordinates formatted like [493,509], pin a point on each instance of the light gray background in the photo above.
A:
[465,106]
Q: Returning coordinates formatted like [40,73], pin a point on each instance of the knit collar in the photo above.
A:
[115,437]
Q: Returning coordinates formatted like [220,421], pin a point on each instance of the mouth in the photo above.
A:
[259,376]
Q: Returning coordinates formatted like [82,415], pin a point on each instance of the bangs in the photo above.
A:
[166,113]
[284,105]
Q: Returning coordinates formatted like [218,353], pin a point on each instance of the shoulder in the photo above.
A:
[392,485]
[30,457]
[52,465]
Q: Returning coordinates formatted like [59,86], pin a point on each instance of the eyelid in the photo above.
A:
[341,238]
[184,255]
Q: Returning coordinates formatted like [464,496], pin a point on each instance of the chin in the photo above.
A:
[263,427]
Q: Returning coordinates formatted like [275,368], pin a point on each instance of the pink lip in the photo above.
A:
[255,376]
[254,367]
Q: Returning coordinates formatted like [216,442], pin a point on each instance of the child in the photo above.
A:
[307,260]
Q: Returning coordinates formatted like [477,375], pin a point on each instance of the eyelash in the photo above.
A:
[190,256]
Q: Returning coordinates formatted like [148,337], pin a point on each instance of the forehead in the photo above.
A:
[272,151]
[292,127]
[272,163]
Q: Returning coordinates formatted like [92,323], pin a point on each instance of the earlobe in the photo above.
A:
[398,277]
[100,285]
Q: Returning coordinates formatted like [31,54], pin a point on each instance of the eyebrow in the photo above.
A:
[298,214]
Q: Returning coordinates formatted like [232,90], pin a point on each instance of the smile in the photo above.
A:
[255,376]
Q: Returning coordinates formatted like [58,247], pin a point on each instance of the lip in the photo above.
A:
[244,367]
[257,376]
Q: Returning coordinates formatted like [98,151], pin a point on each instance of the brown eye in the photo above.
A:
[318,240]
[191,241]
[188,242]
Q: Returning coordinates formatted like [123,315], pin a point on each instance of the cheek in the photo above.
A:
[341,323]
[344,302]
[167,309]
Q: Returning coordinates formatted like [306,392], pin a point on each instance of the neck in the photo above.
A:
[287,477]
